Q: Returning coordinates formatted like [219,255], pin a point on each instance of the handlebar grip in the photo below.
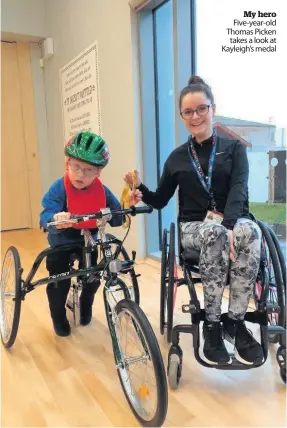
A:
[76,219]
[143,210]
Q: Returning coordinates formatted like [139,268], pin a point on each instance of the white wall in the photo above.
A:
[74,25]
[41,116]
[24,20]
[25,17]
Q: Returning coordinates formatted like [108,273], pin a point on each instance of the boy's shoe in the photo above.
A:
[87,300]
[57,299]
[63,328]
[214,349]
[247,349]
[86,316]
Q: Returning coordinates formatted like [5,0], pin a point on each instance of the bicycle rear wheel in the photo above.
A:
[10,304]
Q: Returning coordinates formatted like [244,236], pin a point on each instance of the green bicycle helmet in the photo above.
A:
[89,148]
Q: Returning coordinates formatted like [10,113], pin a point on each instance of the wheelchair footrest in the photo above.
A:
[237,365]
[255,317]
[234,365]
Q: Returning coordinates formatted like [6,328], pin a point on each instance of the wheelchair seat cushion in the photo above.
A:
[191,256]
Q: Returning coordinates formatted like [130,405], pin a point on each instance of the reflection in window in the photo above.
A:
[246,109]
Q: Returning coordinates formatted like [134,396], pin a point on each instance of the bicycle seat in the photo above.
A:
[191,256]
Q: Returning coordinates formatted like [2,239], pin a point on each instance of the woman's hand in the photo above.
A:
[232,253]
[135,197]
[129,179]
[63,216]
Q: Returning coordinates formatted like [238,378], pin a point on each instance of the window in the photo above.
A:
[247,105]
[167,53]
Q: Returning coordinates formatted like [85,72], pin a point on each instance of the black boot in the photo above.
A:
[57,296]
[247,349]
[87,300]
[214,349]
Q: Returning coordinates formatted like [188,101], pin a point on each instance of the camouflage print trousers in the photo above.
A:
[211,239]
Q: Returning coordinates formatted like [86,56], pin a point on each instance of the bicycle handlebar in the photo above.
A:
[100,214]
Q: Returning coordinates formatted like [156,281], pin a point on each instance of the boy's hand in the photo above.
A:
[128,178]
[135,197]
[63,216]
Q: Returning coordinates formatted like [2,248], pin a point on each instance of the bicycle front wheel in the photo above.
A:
[139,364]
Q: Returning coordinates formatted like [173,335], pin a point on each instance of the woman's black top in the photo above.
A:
[229,182]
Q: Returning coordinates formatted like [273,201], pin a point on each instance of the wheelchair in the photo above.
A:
[132,336]
[269,301]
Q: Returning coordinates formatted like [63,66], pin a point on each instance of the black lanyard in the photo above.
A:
[205,181]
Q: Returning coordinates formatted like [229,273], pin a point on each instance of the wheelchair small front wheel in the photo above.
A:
[10,305]
[174,374]
[281,359]
[140,365]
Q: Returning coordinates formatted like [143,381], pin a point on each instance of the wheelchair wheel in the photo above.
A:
[280,256]
[168,268]
[163,286]
[10,305]
[276,294]
[122,254]
[139,364]
[171,281]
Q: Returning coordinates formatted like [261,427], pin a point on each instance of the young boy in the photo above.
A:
[79,192]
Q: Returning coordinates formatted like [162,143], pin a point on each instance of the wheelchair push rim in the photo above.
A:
[163,288]
[276,289]
[169,282]
[10,305]
[280,256]
[140,369]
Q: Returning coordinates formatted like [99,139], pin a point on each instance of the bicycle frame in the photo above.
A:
[89,246]
[110,271]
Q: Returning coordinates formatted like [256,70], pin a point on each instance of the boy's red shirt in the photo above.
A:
[85,201]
